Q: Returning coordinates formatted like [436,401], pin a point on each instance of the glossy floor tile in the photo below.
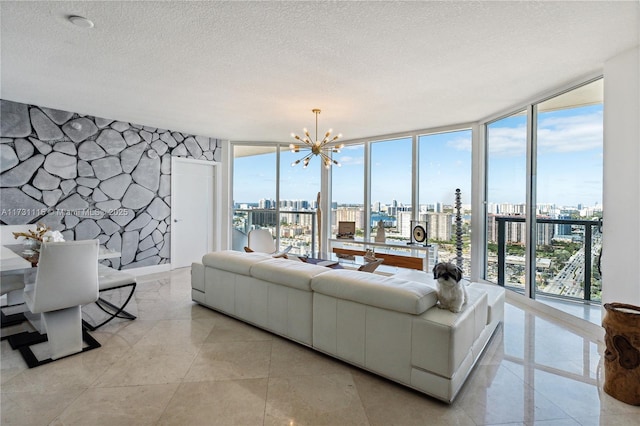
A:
[182,364]
[587,312]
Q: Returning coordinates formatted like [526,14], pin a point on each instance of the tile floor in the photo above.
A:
[182,364]
[591,313]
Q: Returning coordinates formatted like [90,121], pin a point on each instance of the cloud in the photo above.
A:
[555,135]
[460,144]
[507,141]
[347,160]
[570,134]
[356,158]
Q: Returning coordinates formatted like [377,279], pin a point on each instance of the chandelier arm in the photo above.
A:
[325,156]
[302,160]
[305,140]
[327,135]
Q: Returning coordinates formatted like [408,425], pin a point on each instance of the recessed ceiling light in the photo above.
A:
[80,21]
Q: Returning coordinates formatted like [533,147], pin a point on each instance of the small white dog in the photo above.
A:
[452,294]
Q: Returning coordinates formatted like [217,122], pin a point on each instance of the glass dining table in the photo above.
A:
[15,257]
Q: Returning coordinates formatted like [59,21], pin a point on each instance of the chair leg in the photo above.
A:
[13,319]
[23,342]
[14,298]
[112,310]
[64,331]
[64,334]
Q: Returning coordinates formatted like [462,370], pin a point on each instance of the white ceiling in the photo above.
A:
[253,71]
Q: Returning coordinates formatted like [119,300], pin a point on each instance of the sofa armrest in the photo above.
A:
[197,276]
[442,339]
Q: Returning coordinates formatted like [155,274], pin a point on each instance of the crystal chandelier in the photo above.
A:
[317,147]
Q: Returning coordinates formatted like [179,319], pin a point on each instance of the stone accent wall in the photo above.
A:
[92,177]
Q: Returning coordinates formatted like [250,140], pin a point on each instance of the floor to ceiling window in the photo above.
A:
[391,187]
[444,166]
[569,140]
[283,200]
[347,189]
[299,188]
[556,250]
[254,191]
[506,141]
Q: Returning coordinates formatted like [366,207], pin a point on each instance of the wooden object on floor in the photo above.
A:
[622,355]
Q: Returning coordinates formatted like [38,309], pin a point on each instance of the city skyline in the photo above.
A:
[466,207]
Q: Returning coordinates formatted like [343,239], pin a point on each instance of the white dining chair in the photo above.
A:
[261,240]
[66,279]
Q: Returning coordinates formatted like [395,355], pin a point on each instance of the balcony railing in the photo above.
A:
[579,265]
[296,228]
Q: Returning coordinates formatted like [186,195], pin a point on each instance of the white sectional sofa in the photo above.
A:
[388,325]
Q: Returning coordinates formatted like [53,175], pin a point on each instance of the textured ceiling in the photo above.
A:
[253,71]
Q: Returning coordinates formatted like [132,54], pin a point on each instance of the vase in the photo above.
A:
[31,244]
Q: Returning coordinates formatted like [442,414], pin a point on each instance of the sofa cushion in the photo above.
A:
[391,293]
[287,272]
[233,261]
[109,278]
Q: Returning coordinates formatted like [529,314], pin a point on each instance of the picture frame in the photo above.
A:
[346,230]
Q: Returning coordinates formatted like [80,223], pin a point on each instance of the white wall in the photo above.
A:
[621,199]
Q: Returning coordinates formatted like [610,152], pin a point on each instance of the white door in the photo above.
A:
[193,184]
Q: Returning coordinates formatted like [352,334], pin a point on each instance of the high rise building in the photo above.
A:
[349,214]
[545,233]
[439,225]
[516,232]
[404,224]
[563,229]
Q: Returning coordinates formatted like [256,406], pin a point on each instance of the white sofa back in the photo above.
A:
[387,292]
[274,294]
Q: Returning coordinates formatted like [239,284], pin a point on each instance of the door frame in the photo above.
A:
[213,240]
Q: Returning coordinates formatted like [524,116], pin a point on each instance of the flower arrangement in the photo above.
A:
[41,234]
[52,237]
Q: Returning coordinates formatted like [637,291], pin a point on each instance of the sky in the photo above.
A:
[569,161]
[569,166]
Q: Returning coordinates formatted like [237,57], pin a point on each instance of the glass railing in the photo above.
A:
[567,253]
[297,228]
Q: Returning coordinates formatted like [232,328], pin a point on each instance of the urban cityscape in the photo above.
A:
[560,247]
